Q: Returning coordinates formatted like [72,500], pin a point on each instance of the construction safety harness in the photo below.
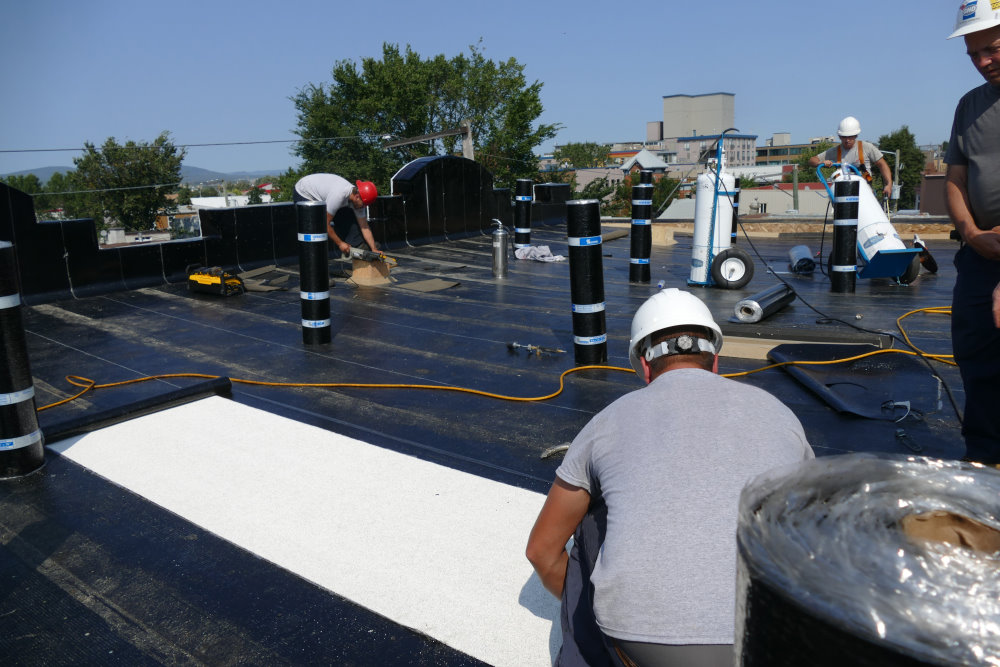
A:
[861,159]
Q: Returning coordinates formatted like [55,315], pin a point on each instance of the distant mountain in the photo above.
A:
[189,175]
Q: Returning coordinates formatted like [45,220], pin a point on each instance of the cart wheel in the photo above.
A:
[911,273]
[732,268]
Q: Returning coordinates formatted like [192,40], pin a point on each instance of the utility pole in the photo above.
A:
[795,187]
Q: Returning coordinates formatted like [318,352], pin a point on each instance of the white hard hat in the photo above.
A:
[975,15]
[849,127]
[667,309]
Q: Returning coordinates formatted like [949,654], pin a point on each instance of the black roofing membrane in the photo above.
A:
[111,578]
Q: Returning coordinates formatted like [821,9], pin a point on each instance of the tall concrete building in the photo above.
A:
[693,115]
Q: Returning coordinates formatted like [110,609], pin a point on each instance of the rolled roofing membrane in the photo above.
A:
[429,547]
[866,560]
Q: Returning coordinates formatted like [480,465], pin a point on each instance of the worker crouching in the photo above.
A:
[649,490]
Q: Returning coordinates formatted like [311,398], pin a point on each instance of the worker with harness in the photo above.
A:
[649,490]
[861,154]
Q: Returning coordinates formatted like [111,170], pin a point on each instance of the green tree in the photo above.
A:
[27,183]
[582,155]
[620,203]
[285,185]
[599,188]
[184,195]
[807,173]
[911,158]
[253,196]
[129,182]
[343,125]
[558,176]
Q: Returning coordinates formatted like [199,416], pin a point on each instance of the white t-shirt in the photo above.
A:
[329,188]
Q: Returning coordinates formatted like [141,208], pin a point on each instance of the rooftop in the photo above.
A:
[286,517]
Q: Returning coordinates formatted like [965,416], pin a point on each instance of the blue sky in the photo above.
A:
[219,71]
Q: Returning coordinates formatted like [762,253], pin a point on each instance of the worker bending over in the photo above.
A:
[338,193]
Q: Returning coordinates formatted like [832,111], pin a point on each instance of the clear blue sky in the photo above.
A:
[219,71]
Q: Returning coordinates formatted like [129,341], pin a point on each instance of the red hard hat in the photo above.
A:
[367,191]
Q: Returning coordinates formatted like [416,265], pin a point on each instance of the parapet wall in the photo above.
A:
[434,199]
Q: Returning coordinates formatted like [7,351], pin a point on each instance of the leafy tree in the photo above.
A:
[620,204]
[558,176]
[911,159]
[253,196]
[344,124]
[27,183]
[184,194]
[285,185]
[128,182]
[599,188]
[807,173]
[582,155]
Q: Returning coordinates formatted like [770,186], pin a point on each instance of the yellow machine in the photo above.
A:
[214,280]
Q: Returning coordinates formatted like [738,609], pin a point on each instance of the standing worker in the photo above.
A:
[861,154]
[338,193]
[972,190]
[659,473]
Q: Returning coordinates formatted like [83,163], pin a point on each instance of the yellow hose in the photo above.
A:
[87,384]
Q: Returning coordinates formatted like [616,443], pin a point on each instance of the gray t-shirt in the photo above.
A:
[870,152]
[974,144]
[670,460]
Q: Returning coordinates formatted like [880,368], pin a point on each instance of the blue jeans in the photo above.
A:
[976,345]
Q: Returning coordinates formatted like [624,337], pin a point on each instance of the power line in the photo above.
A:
[82,192]
[218,143]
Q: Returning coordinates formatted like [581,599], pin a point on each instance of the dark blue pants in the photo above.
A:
[976,345]
[584,645]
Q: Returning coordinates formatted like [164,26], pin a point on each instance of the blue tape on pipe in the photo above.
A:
[312,238]
[7,444]
[588,307]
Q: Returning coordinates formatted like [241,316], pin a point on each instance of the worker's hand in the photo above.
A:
[827,163]
[887,192]
[345,248]
[996,306]
[986,243]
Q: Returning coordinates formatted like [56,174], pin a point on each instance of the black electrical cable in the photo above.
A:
[826,319]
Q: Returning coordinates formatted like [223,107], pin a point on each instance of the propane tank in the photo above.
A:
[499,250]
[710,237]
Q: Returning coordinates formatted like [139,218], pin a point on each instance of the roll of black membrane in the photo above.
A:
[764,304]
[843,269]
[314,272]
[586,275]
[21,443]
[522,212]
[641,237]
[870,561]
